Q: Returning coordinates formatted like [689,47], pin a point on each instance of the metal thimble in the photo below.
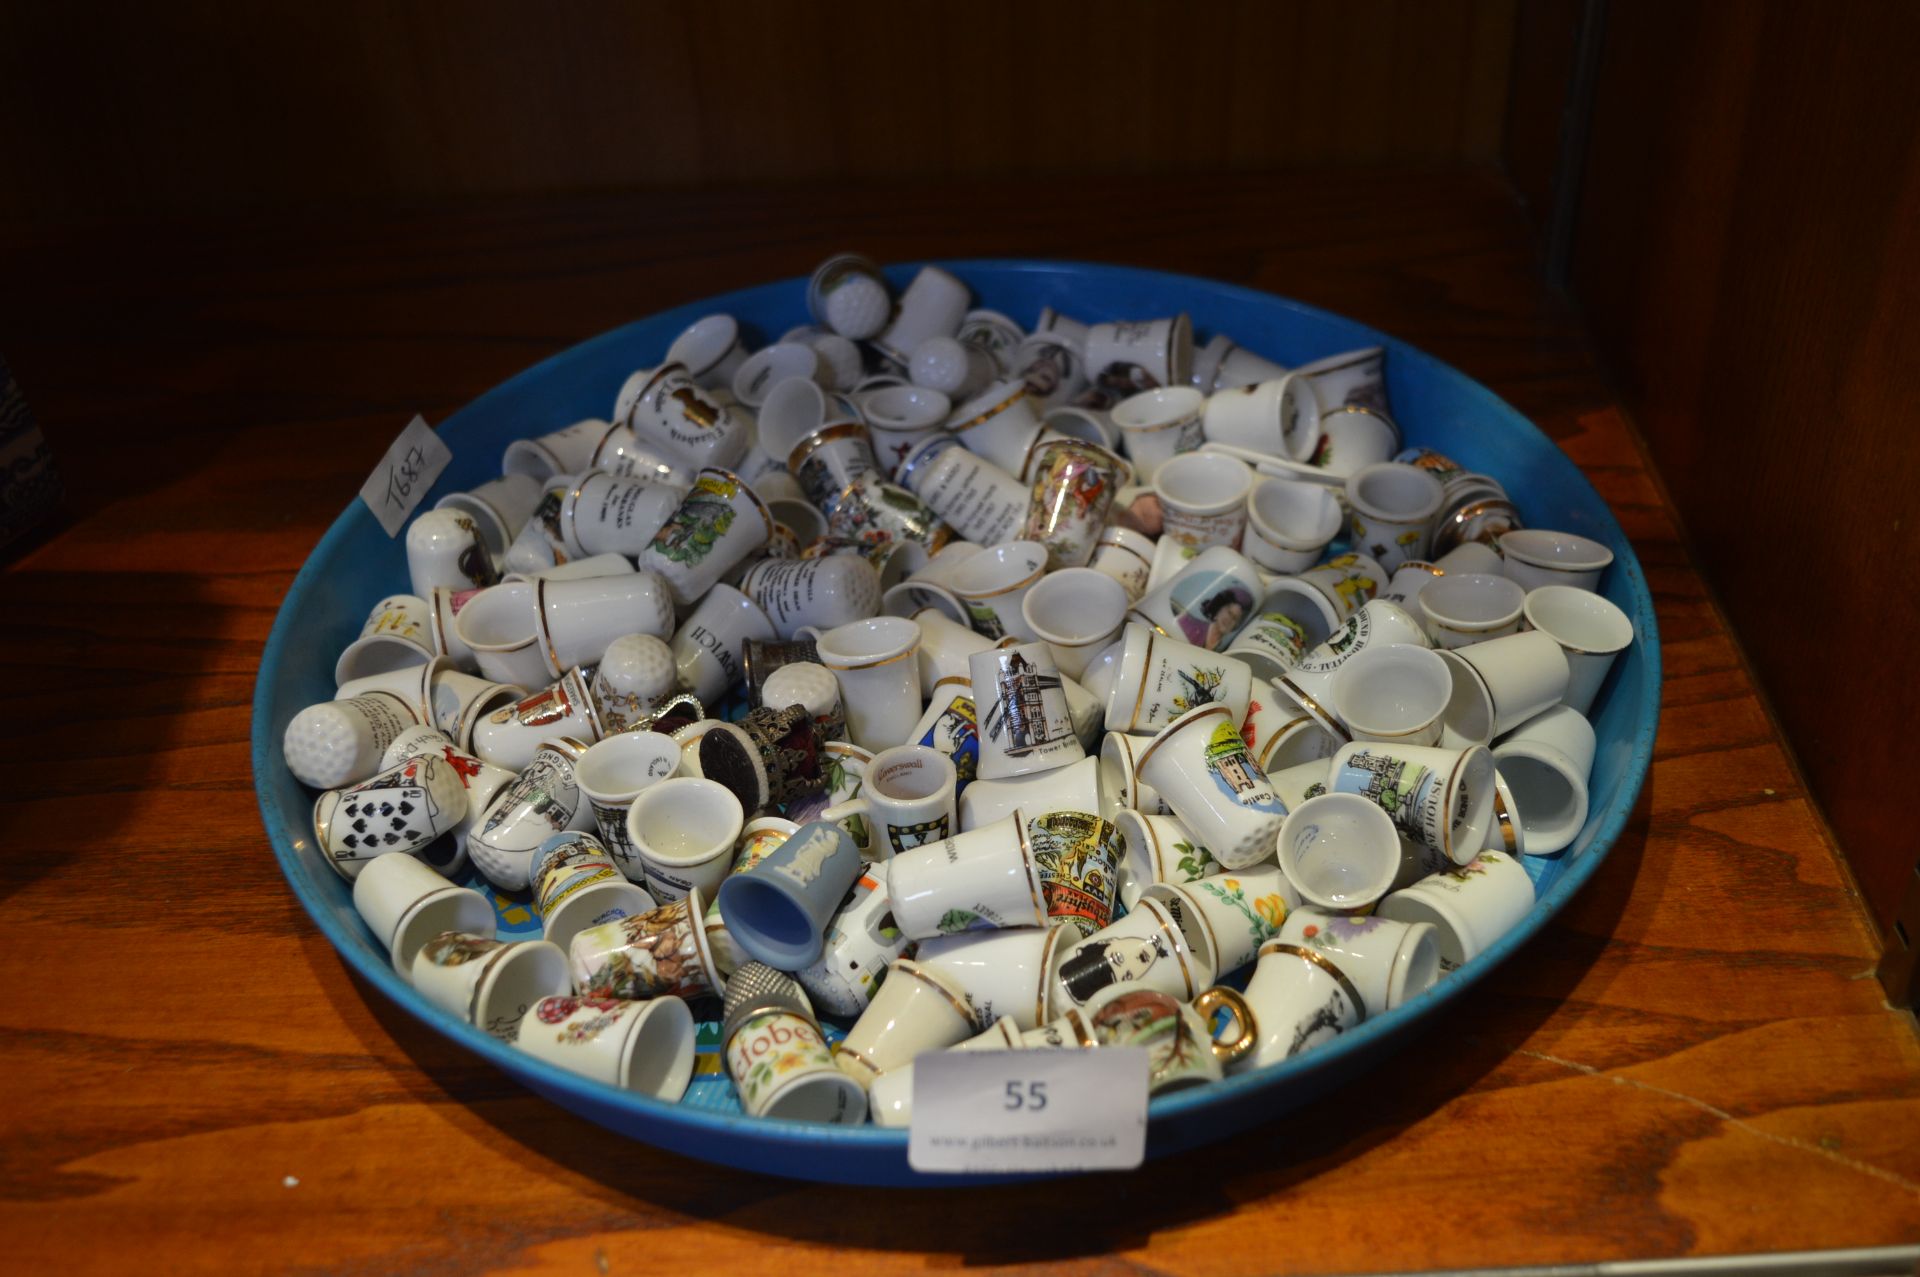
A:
[761,657]
[757,989]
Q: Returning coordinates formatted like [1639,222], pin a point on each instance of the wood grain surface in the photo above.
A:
[1691,1060]
[1764,330]
[113,109]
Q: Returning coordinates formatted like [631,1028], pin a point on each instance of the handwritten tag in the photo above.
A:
[397,484]
[982,1112]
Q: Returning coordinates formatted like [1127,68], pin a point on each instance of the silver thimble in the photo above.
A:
[761,657]
[757,989]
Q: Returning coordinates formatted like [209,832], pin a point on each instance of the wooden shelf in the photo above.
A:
[1693,1059]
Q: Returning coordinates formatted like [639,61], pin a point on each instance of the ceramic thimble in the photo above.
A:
[1079,857]
[759,658]
[404,904]
[489,983]
[861,940]
[499,509]
[543,800]
[850,296]
[777,912]
[339,743]
[1073,489]
[1181,1052]
[399,810]
[398,633]
[720,523]
[446,548]
[510,734]
[812,686]
[758,840]
[660,953]
[646,1047]
[577,884]
[634,676]
[1025,725]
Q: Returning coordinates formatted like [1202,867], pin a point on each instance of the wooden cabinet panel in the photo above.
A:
[1748,254]
[134,109]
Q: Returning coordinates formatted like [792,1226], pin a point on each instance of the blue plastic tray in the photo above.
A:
[1434,404]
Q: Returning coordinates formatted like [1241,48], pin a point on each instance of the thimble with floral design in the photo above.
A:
[777,1056]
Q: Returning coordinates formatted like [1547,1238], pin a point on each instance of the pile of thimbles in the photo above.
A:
[920,682]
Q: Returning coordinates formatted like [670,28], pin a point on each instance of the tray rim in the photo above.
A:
[676,1120]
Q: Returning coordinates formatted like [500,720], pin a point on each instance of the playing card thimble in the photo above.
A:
[399,810]
[776,1055]
[447,855]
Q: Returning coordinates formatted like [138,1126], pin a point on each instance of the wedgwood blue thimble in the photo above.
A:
[778,910]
